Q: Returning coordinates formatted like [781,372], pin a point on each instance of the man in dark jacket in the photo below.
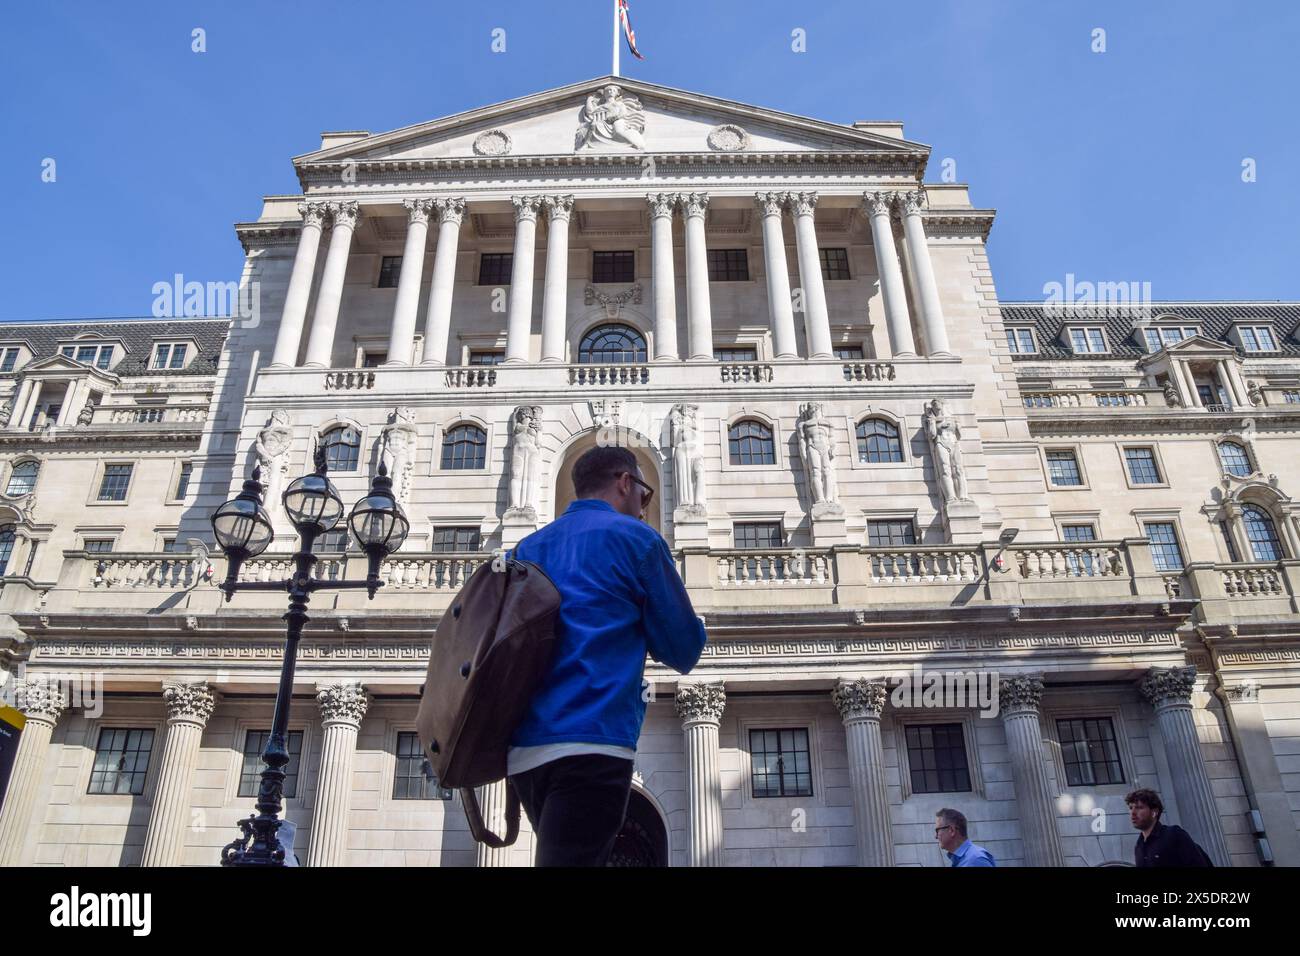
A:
[1160,844]
[621,597]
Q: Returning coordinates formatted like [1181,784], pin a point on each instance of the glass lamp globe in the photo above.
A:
[313,504]
[241,525]
[378,522]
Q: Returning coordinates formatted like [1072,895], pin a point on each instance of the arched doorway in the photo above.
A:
[643,841]
[646,458]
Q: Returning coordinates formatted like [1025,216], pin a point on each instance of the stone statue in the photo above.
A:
[1172,398]
[272,451]
[688,460]
[611,117]
[6,412]
[817,450]
[400,441]
[1254,393]
[945,445]
[86,414]
[525,460]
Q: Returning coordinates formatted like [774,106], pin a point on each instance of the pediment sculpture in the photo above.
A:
[611,117]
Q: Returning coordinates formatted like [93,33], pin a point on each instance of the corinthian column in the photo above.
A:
[519,319]
[1169,690]
[555,295]
[437,322]
[1019,699]
[780,313]
[700,705]
[699,318]
[401,339]
[342,706]
[42,706]
[860,703]
[188,708]
[891,274]
[289,335]
[665,285]
[320,343]
[816,321]
[927,291]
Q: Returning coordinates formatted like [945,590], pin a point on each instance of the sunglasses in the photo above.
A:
[646,495]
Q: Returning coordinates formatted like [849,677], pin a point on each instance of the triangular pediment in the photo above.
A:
[634,117]
[55,363]
[1199,343]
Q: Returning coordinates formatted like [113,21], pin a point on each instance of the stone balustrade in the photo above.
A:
[1094,398]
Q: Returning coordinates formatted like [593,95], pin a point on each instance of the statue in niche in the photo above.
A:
[272,451]
[945,445]
[688,460]
[817,449]
[87,414]
[611,117]
[400,441]
[525,461]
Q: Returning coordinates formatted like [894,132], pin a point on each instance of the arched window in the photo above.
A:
[612,343]
[464,446]
[1234,459]
[23,478]
[878,440]
[751,443]
[342,448]
[1261,533]
[6,546]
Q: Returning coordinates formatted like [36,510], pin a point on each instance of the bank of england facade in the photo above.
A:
[874,474]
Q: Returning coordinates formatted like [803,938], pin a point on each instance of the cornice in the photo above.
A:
[1059,422]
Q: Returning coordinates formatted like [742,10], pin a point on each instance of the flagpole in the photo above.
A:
[615,37]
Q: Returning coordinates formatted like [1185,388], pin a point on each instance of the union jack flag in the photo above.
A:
[627,29]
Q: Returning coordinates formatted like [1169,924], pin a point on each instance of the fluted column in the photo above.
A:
[1225,382]
[779,310]
[28,412]
[69,401]
[665,283]
[492,805]
[555,296]
[288,336]
[816,320]
[18,404]
[700,706]
[437,322]
[1189,377]
[1019,699]
[41,705]
[892,290]
[1169,691]
[188,708]
[519,320]
[860,703]
[401,338]
[699,317]
[927,291]
[342,706]
[320,343]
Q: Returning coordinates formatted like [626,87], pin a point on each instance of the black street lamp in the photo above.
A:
[243,530]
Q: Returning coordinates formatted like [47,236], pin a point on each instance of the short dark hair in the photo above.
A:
[953,818]
[1148,797]
[596,468]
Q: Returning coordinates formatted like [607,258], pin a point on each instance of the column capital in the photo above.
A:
[771,203]
[878,203]
[417,210]
[40,700]
[189,703]
[912,201]
[526,207]
[1168,686]
[1019,694]
[860,697]
[345,213]
[558,208]
[313,213]
[801,204]
[694,205]
[346,702]
[701,700]
[661,204]
[450,209]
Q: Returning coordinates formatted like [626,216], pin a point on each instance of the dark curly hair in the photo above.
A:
[1148,798]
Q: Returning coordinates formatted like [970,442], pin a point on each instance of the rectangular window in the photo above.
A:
[112,487]
[739,353]
[390,270]
[1079,563]
[1063,468]
[250,778]
[1078,532]
[835,263]
[371,359]
[781,764]
[848,352]
[148,414]
[887,534]
[178,357]
[9,360]
[86,354]
[1141,464]
[1226,531]
[105,357]
[613,266]
[1089,752]
[494,268]
[183,483]
[486,357]
[1166,555]
[1162,337]
[1291,396]
[161,355]
[121,760]
[68,350]
[728,265]
[456,539]
[331,542]
[1257,338]
[414,778]
[936,758]
[1087,340]
[757,534]
[1021,341]
[98,545]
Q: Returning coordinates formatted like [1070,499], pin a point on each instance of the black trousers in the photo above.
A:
[576,806]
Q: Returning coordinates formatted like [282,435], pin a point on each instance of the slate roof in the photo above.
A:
[137,335]
[1215,319]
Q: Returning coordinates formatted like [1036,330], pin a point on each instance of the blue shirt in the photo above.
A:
[970,854]
[620,597]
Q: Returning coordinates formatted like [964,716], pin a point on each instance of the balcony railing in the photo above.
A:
[1094,398]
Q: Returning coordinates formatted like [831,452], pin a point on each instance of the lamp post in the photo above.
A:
[243,530]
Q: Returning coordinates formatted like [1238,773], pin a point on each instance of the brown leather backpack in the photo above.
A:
[492,649]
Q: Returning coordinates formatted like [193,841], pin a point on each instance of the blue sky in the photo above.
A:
[1124,165]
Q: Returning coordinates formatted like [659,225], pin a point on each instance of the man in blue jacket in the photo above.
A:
[570,759]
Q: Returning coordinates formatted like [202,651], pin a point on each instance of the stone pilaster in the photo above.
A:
[342,707]
[860,703]
[42,706]
[188,708]
[1019,699]
[700,706]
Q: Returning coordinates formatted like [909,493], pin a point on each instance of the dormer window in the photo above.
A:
[169,355]
[1167,335]
[1257,338]
[1085,340]
[8,359]
[97,354]
[1021,341]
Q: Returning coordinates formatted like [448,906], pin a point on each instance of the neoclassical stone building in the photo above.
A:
[873,473]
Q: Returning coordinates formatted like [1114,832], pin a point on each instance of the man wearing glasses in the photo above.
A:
[571,757]
[950,831]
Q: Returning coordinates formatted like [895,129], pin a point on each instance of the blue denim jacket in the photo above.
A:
[620,597]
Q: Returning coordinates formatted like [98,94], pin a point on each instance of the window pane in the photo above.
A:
[465,446]
[780,763]
[1234,459]
[178,356]
[390,271]
[250,778]
[1096,341]
[342,448]
[612,343]
[1090,752]
[750,443]
[113,485]
[1142,466]
[835,263]
[887,534]
[728,265]
[1063,468]
[494,268]
[1165,553]
[613,266]
[936,758]
[878,441]
[1262,534]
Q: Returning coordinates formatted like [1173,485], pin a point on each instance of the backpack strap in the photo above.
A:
[478,829]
